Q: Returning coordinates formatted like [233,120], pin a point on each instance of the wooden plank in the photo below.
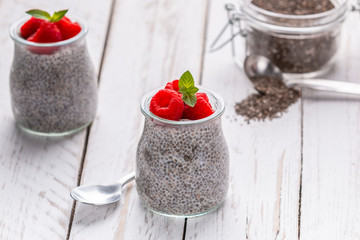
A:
[150,43]
[36,174]
[330,205]
[265,158]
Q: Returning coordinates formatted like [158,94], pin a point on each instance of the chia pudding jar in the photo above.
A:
[53,85]
[182,167]
[300,45]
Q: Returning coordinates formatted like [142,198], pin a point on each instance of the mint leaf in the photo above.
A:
[37,13]
[189,99]
[192,90]
[186,80]
[187,89]
[57,16]
[183,90]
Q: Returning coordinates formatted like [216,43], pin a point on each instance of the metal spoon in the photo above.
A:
[256,65]
[101,194]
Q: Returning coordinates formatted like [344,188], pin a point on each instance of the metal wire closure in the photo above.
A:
[234,21]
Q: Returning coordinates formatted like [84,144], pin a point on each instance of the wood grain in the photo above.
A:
[150,43]
[330,206]
[265,157]
[36,173]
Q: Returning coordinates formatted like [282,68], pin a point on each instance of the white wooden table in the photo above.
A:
[296,177]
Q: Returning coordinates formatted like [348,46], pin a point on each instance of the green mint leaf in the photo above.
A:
[183,90]
[186,80]
[187,89]
[57,16]
[189,99]
[192,90]
[37,13]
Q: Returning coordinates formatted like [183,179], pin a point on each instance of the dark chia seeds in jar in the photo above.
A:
[182,167]
[300,36]
[53,85]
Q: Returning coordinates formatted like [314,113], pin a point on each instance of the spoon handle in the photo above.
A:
[127,178]
[326,85]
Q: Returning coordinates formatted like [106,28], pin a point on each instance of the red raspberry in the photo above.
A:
[174,85]
[202,108]
[30,27]
[167,104]
[68,28]
[47,32]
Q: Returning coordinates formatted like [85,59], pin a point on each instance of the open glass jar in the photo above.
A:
[53,85]
[182,167]
[300,45]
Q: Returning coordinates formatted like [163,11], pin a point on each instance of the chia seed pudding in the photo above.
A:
[299,36]
[53,86]
[182,167]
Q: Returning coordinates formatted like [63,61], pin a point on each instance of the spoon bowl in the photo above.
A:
[257,65]
[101,194]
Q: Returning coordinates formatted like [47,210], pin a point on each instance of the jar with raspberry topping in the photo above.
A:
[182,167]
[53,85]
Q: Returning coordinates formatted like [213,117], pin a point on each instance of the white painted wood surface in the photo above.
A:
[330,206]
[313,149]
[150,43]
[36,174]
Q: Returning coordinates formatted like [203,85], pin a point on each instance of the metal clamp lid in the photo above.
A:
[234,20]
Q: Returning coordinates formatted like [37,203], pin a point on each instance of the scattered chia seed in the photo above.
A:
[182,170]
[53,93]
[295,53]
[273,100]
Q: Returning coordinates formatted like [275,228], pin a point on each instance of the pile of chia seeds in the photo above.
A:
[295,53]
[274,99]
[182,170]
[53,93]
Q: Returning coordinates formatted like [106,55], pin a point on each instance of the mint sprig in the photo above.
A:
[187,89]
[57,16]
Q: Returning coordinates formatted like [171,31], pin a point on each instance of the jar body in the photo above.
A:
[53,89]
[299,45]
[182,170]
[305,55]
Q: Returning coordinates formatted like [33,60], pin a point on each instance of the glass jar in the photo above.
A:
[302,45]
[182,167]
[53,85]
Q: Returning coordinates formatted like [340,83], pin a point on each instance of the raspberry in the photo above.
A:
[174,85]
[30,27]
[68,28]
[202,108]
[47,32]
[167,104]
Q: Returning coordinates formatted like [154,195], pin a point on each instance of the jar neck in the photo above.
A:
[294,24]
[15,35]
[215,100]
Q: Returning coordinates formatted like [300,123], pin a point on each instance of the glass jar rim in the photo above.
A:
[15,30]
[320,21]
[220,108]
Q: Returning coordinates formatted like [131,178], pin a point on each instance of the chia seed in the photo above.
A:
[56,92]
[295,53]
[182,170]
[295,7]
[274,99]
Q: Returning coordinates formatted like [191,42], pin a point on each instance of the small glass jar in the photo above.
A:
[53,85]
[182,167]
[300,45]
